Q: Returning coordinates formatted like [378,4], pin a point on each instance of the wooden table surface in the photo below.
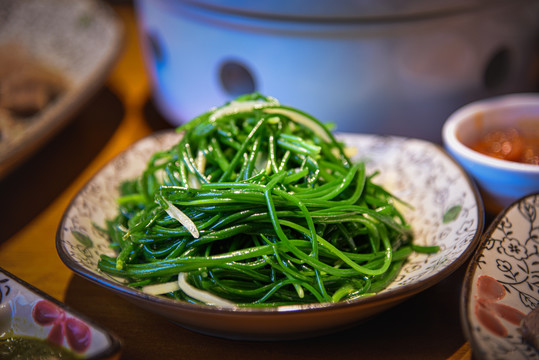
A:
[37,192]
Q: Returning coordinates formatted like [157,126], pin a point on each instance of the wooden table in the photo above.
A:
[35,195]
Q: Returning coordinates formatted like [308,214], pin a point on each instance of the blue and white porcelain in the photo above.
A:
[502,284]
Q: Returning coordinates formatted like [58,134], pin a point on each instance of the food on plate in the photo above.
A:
[257,204]
[510,144]
[27,87]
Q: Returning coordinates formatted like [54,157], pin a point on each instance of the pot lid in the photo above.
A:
[341,10]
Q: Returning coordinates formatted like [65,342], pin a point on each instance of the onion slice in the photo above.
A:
[177,214]
[201,295]
[158,289]
[188,289]
[301,119]
[235,107]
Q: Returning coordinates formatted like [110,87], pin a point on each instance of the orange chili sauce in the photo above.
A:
[509,144]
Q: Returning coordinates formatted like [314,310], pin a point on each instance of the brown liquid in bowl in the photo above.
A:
[510,144]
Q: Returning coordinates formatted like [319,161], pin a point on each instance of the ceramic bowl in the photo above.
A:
[501,182]
[500,285]
[206,52]
[79,41]
[447,212]
[28,312]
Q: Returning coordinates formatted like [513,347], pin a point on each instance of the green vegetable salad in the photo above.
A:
[257,205]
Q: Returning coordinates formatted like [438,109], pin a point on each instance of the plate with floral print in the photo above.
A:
[35,325]
[446,211]
[502,284]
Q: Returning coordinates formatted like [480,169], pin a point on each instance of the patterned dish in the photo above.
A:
[501,283]
[26,311]
[79,40]
[448,212]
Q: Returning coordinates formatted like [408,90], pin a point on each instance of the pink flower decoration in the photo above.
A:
[488,309]
[76,332]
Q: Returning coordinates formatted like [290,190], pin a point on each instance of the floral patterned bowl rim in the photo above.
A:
[448,211]
[501,283]
[28,311]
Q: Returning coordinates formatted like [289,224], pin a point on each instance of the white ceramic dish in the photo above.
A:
[501,182]
[27,311]
[373,52]
[448,212]
[79,40]
[502,280]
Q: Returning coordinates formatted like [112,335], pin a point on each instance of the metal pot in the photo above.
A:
[386,67]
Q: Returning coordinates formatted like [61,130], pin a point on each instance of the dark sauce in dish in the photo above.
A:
[31,348]
[510,144]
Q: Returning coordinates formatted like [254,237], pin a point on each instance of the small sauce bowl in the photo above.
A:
[501,182]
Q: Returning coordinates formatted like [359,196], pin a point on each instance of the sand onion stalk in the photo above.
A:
[270,211]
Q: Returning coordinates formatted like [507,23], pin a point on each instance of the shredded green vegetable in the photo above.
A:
[257,205]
